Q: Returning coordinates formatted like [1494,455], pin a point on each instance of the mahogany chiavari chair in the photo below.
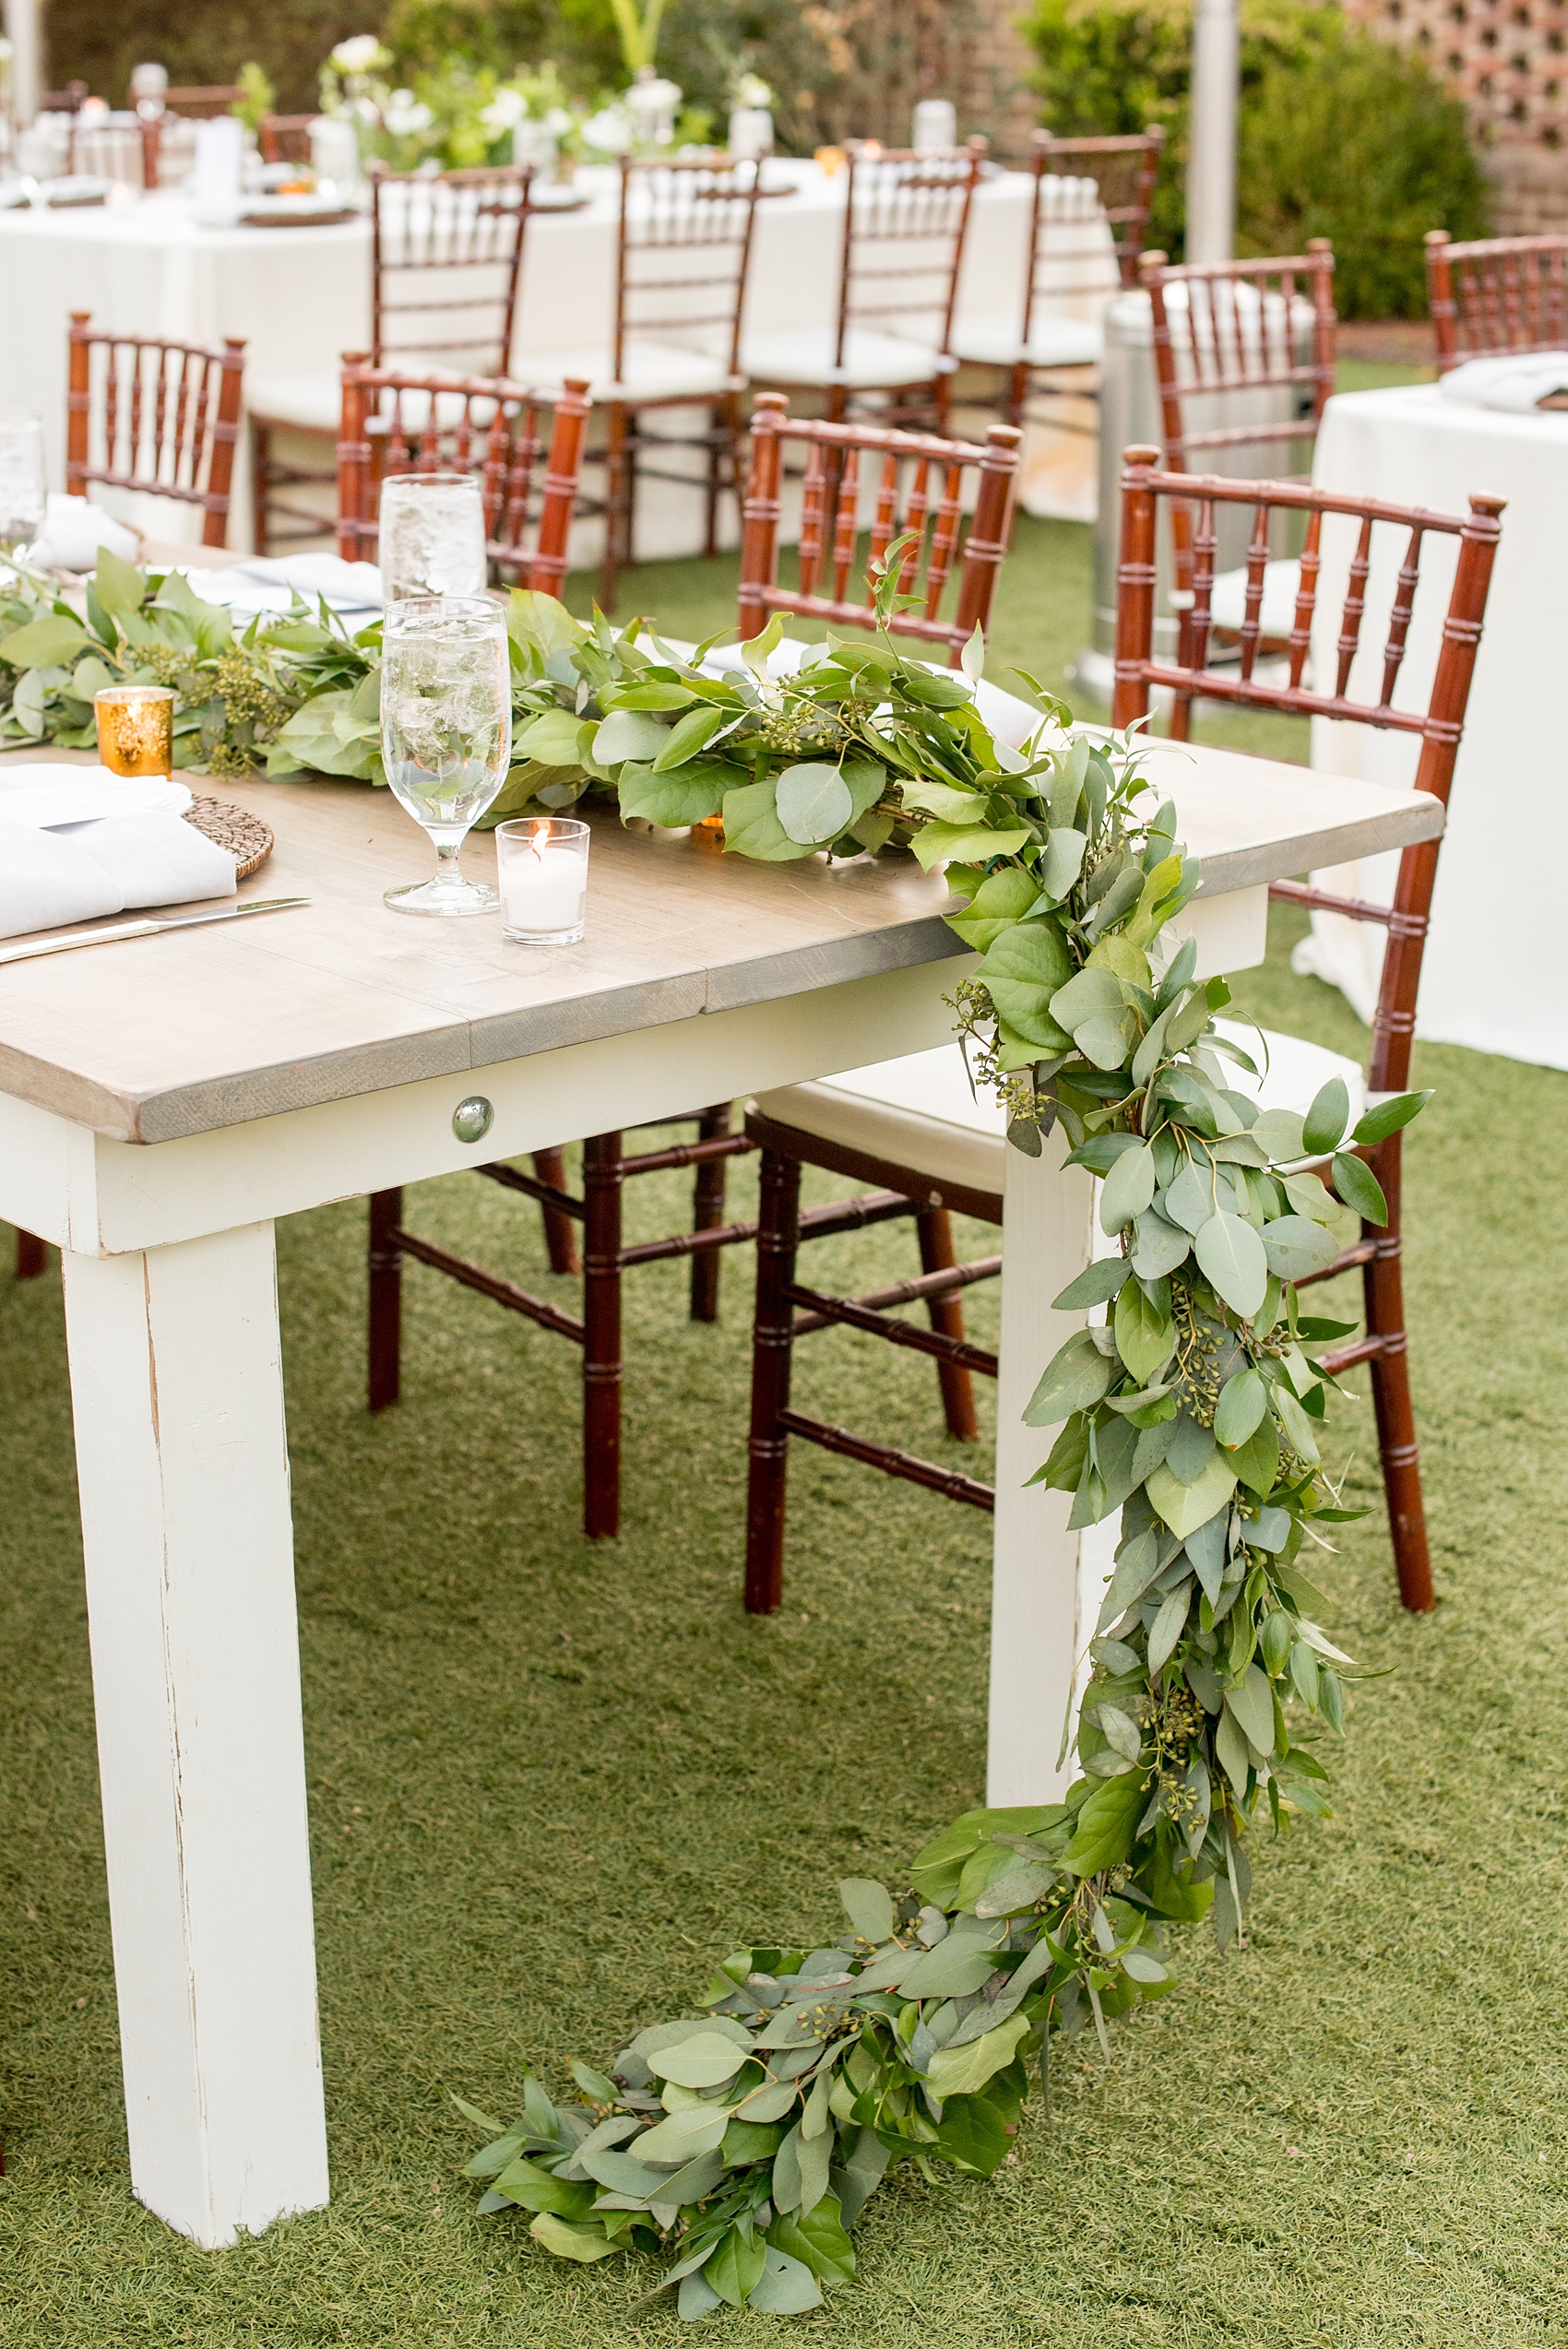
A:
[1252,343]
[607,1165]
[1500,295]
[916,482]
[285,138]
[143,414]
[445,257]
[1364,681]
[682,258]
[906,221]
[1051,332]
[394,422]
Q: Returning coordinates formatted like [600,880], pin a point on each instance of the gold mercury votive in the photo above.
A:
[136,729]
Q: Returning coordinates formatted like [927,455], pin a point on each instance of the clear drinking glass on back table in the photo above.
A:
[446,732]
[21,481]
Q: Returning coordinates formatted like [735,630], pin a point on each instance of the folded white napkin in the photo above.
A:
[74,530]
[79,842]
[1518,381]
[266,583]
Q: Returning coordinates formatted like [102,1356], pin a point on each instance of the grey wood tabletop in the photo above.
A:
[152,1039]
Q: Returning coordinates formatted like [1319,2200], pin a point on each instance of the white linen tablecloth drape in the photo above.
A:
[300,296]
[1493,973]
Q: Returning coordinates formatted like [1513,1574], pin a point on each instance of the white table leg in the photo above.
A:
[176,1384]
[1035,1634]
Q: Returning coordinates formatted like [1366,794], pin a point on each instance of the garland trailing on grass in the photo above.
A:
[741,2144]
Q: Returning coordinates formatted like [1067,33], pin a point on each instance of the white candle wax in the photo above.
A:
[544,890]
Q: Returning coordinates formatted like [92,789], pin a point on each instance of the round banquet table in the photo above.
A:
[1489,979]
[300,296]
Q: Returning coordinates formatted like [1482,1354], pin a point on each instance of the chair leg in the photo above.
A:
[934,1225]
[708,1214]
[772,1340]
[386,1298]
[1017,395]
[602,1183]
[560,1231]
[32,1256]
[1384,1284]
[617,489]
[943,390]
[261,485]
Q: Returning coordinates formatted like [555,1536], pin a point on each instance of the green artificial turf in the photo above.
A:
[549,1782]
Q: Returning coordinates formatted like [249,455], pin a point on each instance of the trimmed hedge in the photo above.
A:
[1339,135]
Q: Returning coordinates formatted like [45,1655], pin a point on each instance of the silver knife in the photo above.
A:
[64,944]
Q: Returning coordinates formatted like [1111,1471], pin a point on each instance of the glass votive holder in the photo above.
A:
[136,729]
[542,872]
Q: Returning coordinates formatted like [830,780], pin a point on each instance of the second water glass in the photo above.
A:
[431,534]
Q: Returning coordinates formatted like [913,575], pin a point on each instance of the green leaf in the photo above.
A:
[706,2061]
[1389,1116]
[50,643]
[689,735]
[1061,860]
[735,2267]
[1231,1257]
[1230,1748]
[1294,1246]
[1186,1507]
[1158,1246]
[1095,992]
[1145,1334]
[813,802]
[1168,1625]
[625,733]
[953,1970]
[1135,1570]
[1243,1399]
[1325,1121]
[817,2239]
[1096,1284]
[752,828]
[1105,1824]
[683,2135]
[974,2135]
[686,797]
[1279,1132]
[1001,899]
[869,1907]
[1076,1376]
[1298,1427]
[1022,971]
[934,842]
[959,2072]
[786,2287]
[542,622]
[1253,1704]
[1128,1189]
[540,2190]
[1256,1462]
[1143,1966]
[569,2242]
[747,2141]
[555,738]
[118,585]
[1360,1188]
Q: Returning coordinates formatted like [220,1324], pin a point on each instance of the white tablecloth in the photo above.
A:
[300,296]
[1494,974]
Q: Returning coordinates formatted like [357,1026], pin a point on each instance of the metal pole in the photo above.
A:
[21,18]
[1211,160]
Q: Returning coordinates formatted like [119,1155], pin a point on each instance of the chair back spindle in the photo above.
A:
[394,424]
[916,483]
[143,414]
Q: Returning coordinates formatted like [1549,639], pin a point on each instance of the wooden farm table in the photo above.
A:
[163,1101]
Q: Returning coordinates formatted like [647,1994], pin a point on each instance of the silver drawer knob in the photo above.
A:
[473,1119]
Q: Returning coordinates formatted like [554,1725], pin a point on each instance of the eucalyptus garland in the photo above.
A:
[740,2145]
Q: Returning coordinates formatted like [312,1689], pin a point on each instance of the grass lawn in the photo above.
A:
[548,1782]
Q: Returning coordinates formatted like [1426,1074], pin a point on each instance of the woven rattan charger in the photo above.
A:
[247,839]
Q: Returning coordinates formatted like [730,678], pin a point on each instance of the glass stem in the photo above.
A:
[448,870]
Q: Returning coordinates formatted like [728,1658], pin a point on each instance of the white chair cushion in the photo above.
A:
[917,1112]
[1296,1071]
[873,361]
[1054,341]
[311,403]
[650,371]
[1277,614]
[300,403]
